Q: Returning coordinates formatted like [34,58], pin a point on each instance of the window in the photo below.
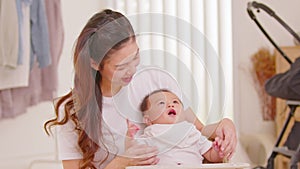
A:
[192,39]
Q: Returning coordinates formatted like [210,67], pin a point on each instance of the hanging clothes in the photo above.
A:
[19,4]
[43,82]
[56,37]
[17,76]
[9,34]
[40,49]
[23,97]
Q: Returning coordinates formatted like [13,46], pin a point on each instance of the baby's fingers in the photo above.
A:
[131,128]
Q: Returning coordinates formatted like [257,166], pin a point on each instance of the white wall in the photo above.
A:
[247,39]
[75,15]
[23,139]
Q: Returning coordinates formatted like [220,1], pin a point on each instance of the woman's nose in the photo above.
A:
[131,70]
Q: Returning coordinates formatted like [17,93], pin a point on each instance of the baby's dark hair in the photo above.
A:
[144,106]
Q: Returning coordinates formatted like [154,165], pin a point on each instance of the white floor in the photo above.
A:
[23,142]
[31,163]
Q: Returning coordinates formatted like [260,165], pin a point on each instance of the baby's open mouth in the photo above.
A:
[172,112]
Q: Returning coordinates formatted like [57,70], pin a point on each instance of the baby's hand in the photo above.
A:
[132,129]
[217,145]
[138,154]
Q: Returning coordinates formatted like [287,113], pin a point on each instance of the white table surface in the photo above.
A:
[203,166]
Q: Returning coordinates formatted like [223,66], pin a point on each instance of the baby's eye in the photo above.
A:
[162,102]
[176,101]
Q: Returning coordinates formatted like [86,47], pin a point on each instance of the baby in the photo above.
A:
[179,142]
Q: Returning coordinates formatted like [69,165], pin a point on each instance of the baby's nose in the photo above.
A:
[171,105]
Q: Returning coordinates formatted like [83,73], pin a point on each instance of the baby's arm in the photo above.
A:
[212,155]
[215,153]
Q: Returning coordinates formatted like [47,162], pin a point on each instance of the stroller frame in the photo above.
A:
[294,155]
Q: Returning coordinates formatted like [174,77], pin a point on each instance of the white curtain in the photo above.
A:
[192,40]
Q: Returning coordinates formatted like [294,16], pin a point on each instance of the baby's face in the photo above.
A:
[164,108]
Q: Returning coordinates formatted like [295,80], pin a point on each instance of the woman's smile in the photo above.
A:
[127,79]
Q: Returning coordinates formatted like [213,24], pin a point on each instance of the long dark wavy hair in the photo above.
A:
[105,32]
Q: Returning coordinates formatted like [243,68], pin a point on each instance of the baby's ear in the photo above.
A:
[147,120]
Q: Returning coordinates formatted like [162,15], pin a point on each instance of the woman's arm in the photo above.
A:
[119,162]
[224,130]
[190,116]
[70,164]
[224,135]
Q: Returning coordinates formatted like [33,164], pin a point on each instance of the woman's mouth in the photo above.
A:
[127,79]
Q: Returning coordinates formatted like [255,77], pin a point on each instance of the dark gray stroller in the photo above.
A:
[286,86]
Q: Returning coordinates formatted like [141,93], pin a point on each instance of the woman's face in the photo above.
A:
[163,108]
[121,65]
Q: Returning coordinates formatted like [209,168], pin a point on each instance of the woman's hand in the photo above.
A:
[138,154]
[223,133]
[225,140]
[141,154]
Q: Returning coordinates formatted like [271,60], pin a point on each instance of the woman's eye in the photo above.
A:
[136,57]
[161,103]
[120,68]
[176,102]
[136,60]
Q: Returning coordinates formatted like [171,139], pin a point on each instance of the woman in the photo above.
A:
[105,59]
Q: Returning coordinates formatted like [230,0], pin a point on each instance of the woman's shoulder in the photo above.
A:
[63,105]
